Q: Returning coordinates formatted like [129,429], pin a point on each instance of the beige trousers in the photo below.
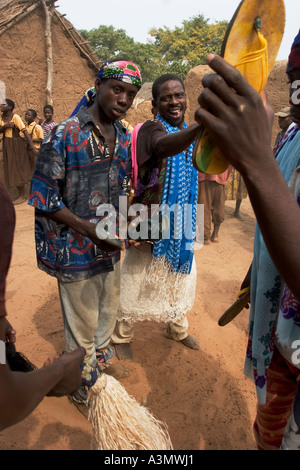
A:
[89,309]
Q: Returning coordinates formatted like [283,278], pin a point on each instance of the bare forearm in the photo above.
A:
[66,217]
[84,227]
[172,144]
[240,122]
[21,392]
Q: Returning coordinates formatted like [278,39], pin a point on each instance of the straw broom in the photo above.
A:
[120,423]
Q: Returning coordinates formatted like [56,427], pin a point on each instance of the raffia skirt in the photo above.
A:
[150,291]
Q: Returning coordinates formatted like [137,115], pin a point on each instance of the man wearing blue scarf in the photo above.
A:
[164,279]
[239,122]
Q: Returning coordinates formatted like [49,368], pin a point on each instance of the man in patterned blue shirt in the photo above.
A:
[83,165]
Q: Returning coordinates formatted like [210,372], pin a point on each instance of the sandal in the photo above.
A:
[251,44]
[80,399]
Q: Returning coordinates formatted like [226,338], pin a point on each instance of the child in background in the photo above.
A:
[34,130]
[48,124]
[16,142]
[37,136]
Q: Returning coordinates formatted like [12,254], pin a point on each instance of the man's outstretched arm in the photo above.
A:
[239,122]
[21,392]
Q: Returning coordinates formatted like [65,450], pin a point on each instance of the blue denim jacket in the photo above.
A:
[73,170]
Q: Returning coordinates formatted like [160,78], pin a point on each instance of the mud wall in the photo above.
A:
[277,90]
[24,67]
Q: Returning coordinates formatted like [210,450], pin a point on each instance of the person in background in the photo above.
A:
[211,194]
[36,133]
[235,190]
[34,129]
[284,121]
[48,123]
[17,167]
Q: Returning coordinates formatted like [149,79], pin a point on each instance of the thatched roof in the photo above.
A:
[13,11]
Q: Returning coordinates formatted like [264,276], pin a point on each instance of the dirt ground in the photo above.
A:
[202,395]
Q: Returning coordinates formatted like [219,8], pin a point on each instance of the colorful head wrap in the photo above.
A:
[294,57]
[122,70]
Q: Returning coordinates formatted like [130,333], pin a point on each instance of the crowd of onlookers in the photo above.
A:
[21,144]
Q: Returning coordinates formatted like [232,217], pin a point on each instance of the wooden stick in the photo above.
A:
[16,19]
[48,36]
[76,37]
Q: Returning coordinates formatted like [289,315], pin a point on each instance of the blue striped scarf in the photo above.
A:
[180,188]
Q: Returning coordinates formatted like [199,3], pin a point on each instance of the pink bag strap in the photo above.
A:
[134,135]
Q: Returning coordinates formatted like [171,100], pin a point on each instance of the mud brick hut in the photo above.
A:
[277,90]
[44,60]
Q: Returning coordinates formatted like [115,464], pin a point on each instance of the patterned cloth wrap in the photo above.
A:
[90,374]
[121,70]
[289,133]
[272,312]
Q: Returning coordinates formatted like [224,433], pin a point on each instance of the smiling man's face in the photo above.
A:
[171,102]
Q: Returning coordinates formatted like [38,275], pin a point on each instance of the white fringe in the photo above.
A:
[151,291]
[120,423]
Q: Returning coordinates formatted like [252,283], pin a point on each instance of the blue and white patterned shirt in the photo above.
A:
[73,170]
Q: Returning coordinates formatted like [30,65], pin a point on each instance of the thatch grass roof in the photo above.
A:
[13,11]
